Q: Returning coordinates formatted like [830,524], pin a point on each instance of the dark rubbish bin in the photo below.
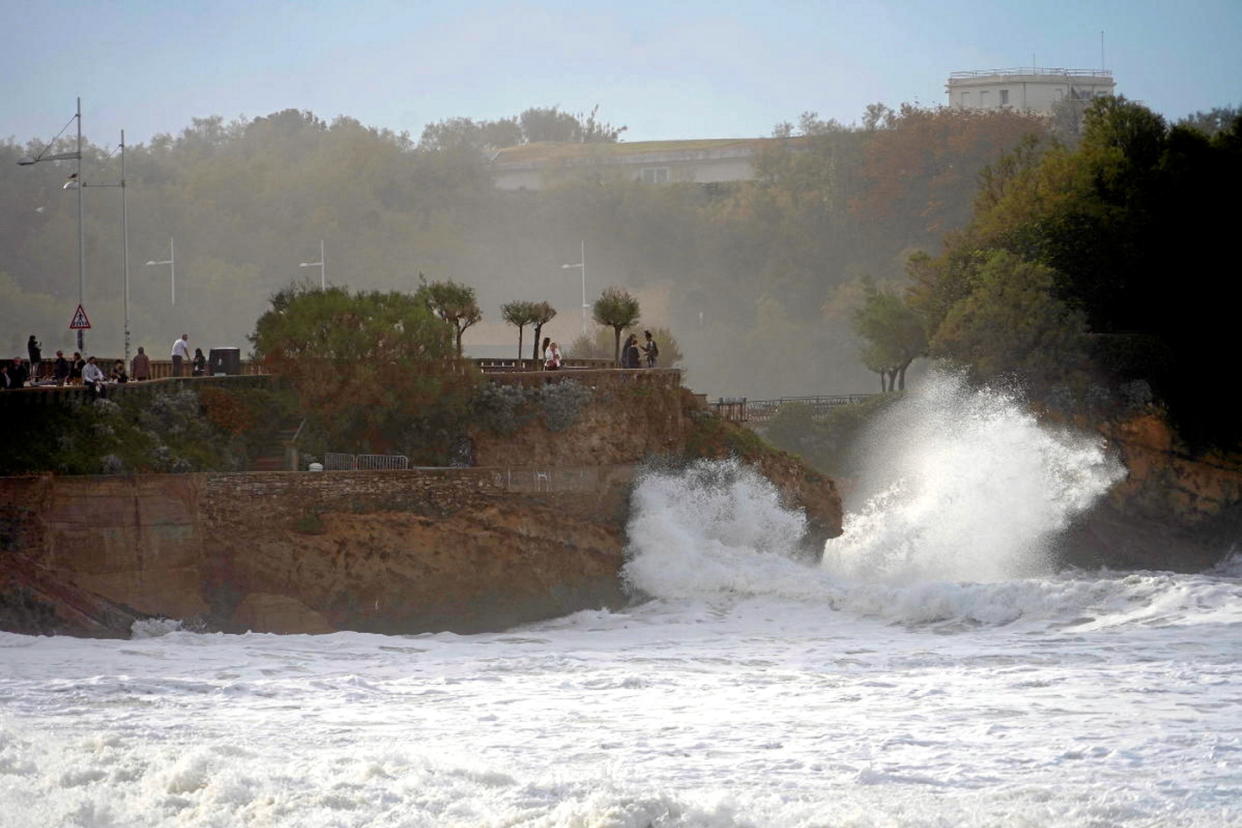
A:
[224,361]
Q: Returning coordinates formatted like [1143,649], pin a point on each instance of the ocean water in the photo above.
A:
[932,670]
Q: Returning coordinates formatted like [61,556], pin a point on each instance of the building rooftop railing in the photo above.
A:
[1033,70]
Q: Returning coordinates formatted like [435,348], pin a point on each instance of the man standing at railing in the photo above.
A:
[180,352]
[140,366]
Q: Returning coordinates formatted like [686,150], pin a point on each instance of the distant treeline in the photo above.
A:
[757,280]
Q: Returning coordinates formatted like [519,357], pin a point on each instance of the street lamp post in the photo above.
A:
[581,265]
[81,185]
[323,278]
[171,261]
[77,176]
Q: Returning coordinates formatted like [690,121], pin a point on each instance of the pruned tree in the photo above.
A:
[519,314]
[616,309]
[893,333]
[544,313]
[455,304]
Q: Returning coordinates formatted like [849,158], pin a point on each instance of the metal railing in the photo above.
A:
[1041,71]
[742,410]
[339,461]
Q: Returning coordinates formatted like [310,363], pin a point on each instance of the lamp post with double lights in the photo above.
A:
[77,176]
[581,265]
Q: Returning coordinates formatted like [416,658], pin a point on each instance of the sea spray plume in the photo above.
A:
[714,527]
[965,484]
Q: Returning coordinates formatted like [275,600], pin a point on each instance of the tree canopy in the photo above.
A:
[1108,255]
[367,366]
[616,309]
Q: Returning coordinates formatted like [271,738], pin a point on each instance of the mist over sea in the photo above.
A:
[933,669]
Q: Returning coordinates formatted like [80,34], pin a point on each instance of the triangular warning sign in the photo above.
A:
[80,322]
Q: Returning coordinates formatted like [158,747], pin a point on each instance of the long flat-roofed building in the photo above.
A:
[1029,89]
[702,161]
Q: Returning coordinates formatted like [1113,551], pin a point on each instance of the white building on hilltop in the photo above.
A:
[1029,89]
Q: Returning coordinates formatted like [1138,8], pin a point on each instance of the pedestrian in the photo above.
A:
[651,350]
[118,372]
[200,362]
[180,352]
[140,366]
[60,368]
[629,354]
[18,373]
[553,361]
[4,376]
[75,369]
[547,340]
[34,350]
[93,377]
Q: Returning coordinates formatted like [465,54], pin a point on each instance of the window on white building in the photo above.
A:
[655,175]
[965,100]
[1004,93]
[985,99]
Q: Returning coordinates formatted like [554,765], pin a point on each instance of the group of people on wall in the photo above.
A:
[630,353]
[16,373]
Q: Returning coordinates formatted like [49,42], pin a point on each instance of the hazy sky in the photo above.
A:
[666,69]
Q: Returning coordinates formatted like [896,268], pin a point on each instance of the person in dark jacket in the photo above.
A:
[140,366]
[75,369]
[629,354]
[34,350]
[200,362]
[60,368]
[18,373]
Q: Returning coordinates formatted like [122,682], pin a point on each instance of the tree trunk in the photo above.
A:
[616,347]
[883,387]
[519,341]
[534,348]
[460,331]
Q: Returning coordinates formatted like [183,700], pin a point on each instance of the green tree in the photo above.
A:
[893,334]
[364,365]
[616,309]
[543,314]
[1012,325]
[455,304]
[520,314]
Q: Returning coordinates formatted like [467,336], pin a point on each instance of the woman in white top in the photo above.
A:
[552,357]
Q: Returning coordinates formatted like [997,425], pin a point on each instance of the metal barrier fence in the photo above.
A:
[339,461]
[742,410]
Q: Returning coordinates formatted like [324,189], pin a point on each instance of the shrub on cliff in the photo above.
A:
[505,409]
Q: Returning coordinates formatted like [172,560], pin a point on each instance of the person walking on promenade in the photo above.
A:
[140,366]
[650,349]
[547,340]
[200,363]
[75,369]
[180,353]
[34,350]
[60,368]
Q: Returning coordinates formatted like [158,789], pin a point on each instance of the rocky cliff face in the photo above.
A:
[538,533]
[1176,509]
